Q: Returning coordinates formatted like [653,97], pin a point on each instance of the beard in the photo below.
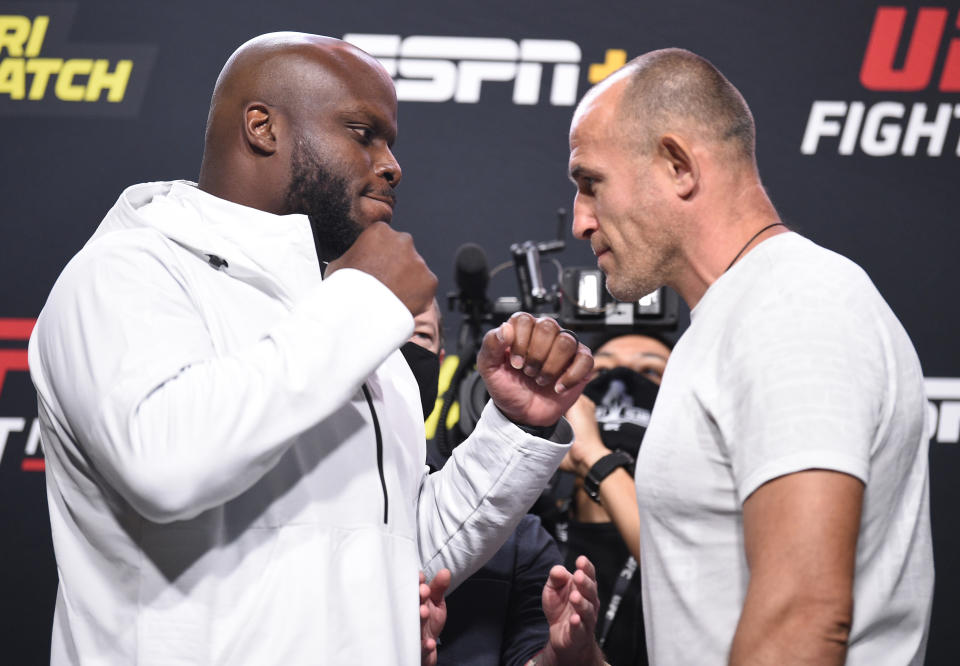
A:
[321,195]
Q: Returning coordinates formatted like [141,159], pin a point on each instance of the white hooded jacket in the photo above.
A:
[218,493]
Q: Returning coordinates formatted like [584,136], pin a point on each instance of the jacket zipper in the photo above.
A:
[376,429]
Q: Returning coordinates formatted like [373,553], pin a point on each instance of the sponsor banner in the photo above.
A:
[913,56]
[428,68]
[44,72]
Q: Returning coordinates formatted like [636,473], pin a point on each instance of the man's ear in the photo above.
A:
[683,165]
[258,128]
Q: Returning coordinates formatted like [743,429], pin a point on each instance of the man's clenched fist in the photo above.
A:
[533,369]
[390,256]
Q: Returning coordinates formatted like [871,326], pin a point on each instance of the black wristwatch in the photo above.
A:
[602,469]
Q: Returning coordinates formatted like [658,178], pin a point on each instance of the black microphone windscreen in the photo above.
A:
[470,271]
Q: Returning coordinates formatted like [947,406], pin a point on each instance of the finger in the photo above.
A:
[586,582]
[577,371]
[586,566]
[562,352]
[424,592]
[558,577]
[523,330]
[439,585]
[581,604]
[545,331]
[495,344]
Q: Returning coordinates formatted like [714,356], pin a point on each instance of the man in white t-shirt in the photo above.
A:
[783,481]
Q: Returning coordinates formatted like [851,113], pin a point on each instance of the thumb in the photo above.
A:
[495,345]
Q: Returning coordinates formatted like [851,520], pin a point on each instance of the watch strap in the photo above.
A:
[602,469]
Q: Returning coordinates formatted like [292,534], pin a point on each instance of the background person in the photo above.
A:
[609,421]
[497,615]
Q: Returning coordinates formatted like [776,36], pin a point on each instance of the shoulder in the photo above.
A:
[792,287]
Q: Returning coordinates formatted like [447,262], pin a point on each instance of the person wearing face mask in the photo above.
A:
[504,612]
[602,519]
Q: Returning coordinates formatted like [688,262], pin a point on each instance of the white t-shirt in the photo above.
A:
[792,361]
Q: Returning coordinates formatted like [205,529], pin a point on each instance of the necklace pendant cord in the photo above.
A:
[753,238]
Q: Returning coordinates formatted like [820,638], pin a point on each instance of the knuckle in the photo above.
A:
[547,324]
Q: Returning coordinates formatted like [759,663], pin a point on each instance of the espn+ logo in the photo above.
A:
[891,127]
[441,69]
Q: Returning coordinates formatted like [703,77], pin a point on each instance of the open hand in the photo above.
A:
[571,605]
[433,614]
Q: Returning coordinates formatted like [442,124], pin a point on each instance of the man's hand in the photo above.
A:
[433,614]
[571,605]
[534,371]
[390,256]
[587,446]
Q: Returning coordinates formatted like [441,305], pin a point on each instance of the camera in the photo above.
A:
[578,300]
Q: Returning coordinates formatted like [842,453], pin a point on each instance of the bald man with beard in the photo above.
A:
[235,449]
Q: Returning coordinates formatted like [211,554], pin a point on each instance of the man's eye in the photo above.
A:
[365,133]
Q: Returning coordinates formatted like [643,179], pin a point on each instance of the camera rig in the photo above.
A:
[578,301]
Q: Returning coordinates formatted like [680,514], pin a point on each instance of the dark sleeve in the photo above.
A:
[525,630]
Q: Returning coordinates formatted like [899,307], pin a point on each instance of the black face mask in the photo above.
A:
[426,370]
[624,401]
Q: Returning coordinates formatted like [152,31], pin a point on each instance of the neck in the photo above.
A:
[236,181]
[718,235]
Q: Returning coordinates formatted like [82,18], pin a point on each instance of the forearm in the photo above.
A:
[618,500]
[177,425]
[618,496]
[469,508]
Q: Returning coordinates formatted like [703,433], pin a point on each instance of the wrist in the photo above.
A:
[588,655]
[537,430]
[584,462]
[603,468]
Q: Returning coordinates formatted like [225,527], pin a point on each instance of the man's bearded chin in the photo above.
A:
[316,192]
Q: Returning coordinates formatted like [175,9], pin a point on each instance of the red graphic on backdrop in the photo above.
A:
[17,330]
[14,359]
[878,71]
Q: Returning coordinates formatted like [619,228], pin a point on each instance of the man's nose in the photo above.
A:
[584,219]
[388,168]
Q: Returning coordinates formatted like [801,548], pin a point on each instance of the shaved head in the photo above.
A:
[674,90]
[304,124]
[286,69]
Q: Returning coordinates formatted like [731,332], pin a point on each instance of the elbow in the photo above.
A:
[160,494]
[824,621]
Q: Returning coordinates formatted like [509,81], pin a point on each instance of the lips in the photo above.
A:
[386,202]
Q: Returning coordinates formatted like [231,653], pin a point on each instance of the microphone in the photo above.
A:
[471,275]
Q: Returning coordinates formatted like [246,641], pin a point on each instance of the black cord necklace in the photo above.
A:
[753,238]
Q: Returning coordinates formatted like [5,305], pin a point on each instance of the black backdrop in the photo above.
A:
[857,145]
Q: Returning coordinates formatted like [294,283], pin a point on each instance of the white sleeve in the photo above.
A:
[175,427]
[469,508]
[799,385]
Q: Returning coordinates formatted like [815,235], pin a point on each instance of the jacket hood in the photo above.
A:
[244,242]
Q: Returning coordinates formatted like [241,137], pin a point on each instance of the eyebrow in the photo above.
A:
[378,123]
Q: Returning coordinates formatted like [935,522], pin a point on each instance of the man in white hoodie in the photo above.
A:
[234,443]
